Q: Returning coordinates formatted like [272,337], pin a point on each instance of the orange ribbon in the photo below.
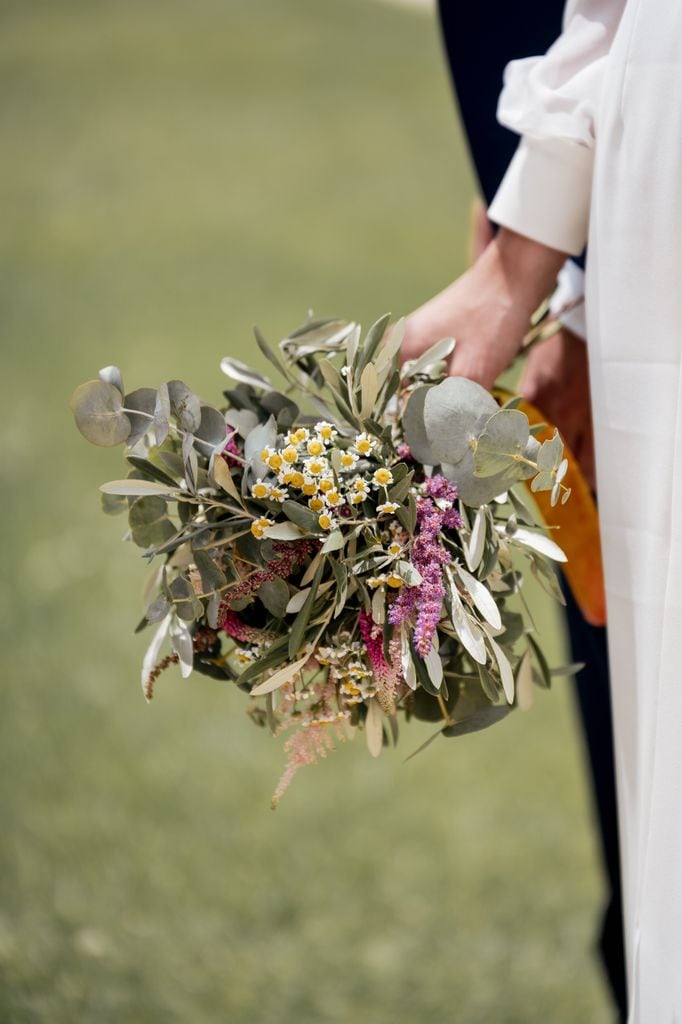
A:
[579,524]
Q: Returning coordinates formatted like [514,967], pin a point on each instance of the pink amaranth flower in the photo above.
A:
[230,449]
[289,557]
[428,557]
[403,451]
[388,676]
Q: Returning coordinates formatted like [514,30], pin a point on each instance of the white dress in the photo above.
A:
[601,161]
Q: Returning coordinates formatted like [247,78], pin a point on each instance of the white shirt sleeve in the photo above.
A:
[551,102]
[568,301]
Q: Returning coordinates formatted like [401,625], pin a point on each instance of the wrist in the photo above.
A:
[528,268]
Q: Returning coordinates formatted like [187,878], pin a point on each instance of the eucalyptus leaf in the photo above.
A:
[274,595]
[97,407]
[112,375]
[185,405]
[374,727]
[149,522]
[414,427]
[500,447]
[138,488]
[140,405]
[455,413]
[212,576]
[481,719]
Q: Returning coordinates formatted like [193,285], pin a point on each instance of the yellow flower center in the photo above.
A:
[383,476]
[316,504]
[315,467]
[326,485]
[290,454]
[325,521]
[260,490]
[347,460]
[275,461]
[394,581]
[364,446]
[334,498]
[315,447]
[327,432]
[297,479]
[301,435]
[310,488]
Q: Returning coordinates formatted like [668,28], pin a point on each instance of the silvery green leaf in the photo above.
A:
[390,348]
[562,470]
[414,427]
[555,495]
[434,665]
[379,606]
[374,727]
[283,531]
[112,375]
[367,350]
[184,599]
[369,390]
[212,428]
[401,489]
[213,610]
[478,720]
[489,684]
[152,653]
[162,412]
[285,675]
[158,609]
[149,522]
[181,642]
[242,373]
[571,669]
[455,412]
[114,504]
[97,407]
[334,542]
[434,354]
[501,444]
[140,406]
[137,488]
[274,595]
[524,682]
[532,449]
[407,664]
[505,669]
[408,573]
[521,510]
[551,452]
[301,516]
[539,542]
[269,353]
[545,573]
[473,551]
[566,495]
[185,405]
[468,631]
[262,436]
[243,420]
[212,577]
[222,475]
[482,598]
[296,602]
[544,481]
[474,490]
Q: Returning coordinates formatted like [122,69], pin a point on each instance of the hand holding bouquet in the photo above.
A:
[344,549]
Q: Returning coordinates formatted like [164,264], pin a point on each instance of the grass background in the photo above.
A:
[171,173]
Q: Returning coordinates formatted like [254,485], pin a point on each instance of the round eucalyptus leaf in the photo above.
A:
[212,428]
[149,522]
[112,375]
[455,412]
[143,400]
[97,407]
[415,429]
[185,405]
[502,443]
[474,490]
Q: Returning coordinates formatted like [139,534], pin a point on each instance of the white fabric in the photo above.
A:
[568,301]
[615,87]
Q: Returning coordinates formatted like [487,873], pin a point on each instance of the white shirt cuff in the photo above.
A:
[545,193]
[568,301]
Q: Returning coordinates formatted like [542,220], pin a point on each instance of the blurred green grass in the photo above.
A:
[171,173]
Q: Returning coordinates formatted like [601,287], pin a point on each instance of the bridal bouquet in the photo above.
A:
[344,549]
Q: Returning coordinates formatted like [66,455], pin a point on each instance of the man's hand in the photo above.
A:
[487,310]
[555,379]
